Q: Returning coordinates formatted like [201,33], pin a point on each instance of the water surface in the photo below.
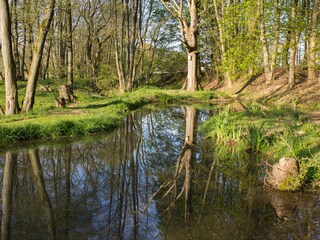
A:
[155,177]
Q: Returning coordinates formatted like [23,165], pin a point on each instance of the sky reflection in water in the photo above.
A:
[101,187]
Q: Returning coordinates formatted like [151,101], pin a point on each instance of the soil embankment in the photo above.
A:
[305,95]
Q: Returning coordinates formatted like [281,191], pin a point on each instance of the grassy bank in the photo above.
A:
[89,114]
[273,134]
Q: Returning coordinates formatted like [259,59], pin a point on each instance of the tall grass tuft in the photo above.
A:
[223,129]
[254,138]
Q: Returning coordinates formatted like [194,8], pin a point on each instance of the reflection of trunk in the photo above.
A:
[185,160]
[68,191]
[45,201]
[191,124]
[134,166]
[7,194]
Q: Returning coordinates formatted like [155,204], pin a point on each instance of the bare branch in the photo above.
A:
[174,13]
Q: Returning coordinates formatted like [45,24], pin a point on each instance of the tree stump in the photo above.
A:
[65,96]
[286,167]
[66,93]
[60,102]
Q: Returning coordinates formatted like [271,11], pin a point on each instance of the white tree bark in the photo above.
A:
[12,105]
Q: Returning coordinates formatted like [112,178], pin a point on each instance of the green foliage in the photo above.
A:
[253,108]
[223,129]
[277,133]
[107,78]
[242,38]
[291,184]
[254,138]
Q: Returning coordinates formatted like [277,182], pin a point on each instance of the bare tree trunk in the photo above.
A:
[45,200]
[293,44]
[36,59]
[47,61]
[266,64]
[276,36]
[12,105]
[220,23]
[192,71]
[191,45]
[7,194]
[69,46]
[15,36]
[132,44]
[313,39]
[125,37]
[24,44]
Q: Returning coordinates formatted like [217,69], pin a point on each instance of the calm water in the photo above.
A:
[155,177]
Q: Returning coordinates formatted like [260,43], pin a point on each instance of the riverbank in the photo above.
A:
[90,113]
[305,96]
[271,120]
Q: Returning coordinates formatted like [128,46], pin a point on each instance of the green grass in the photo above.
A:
[90,114]
[273,133]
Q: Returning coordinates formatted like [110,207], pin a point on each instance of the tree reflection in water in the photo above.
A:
[101,187]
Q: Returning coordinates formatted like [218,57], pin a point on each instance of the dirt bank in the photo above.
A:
[304,96]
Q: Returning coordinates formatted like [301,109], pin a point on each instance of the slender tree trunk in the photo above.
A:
[276,36]
[125,37]
[305,11]
[223,48]
[7,194]
[266,64]
[293,44]
[47,61]
[69,46]
[132,44]
[313,39]
[24,44]
[15,37]
[285,49]
[12,105]
[36,59]
[44,197]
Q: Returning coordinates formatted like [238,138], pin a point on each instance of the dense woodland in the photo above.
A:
[121,44]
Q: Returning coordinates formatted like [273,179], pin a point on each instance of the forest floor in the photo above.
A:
[304,96]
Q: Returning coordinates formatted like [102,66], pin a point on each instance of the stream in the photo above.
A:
[154,177]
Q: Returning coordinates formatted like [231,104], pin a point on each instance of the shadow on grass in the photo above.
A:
[249,82]
[96,106]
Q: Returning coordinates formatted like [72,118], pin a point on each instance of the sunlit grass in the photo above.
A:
[90,113]
[276,133]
